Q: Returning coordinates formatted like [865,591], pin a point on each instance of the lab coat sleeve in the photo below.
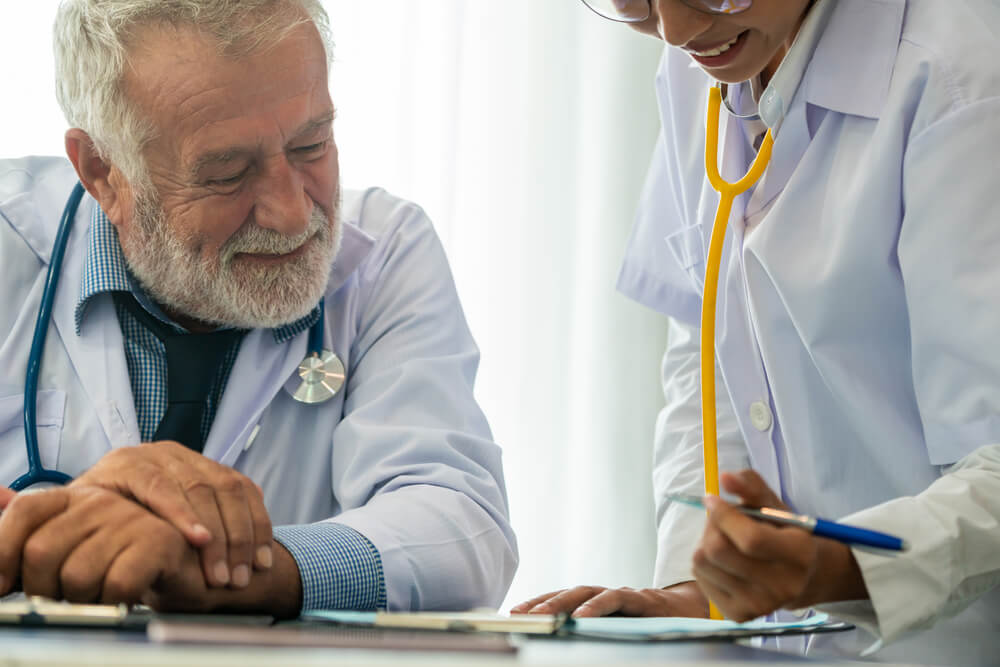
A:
[948,249]
[678,465]
[414,465]
[954,557]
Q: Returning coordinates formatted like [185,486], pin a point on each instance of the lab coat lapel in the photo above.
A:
[97,353]
[790,145]
[260,370]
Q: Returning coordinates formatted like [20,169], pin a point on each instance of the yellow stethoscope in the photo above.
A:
[728,193]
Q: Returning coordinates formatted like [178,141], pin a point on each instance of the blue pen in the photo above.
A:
[822,527]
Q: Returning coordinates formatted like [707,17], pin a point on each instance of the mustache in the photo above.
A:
[255,240]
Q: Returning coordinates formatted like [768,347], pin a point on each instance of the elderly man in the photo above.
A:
[211,253]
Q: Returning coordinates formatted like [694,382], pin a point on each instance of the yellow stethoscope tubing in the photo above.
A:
[728,192]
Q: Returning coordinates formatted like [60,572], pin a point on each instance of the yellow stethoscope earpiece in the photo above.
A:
[728,193]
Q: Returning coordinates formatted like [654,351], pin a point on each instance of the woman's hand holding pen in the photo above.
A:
[749,568]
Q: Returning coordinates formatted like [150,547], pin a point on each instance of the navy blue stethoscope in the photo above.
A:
[322,372]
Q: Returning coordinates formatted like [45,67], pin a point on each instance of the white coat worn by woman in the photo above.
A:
[858,319]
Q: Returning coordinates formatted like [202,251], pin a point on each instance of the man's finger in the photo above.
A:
[214,558]
[47,548]
[238,522]
[82,574]
[6,495]
[22,516]
[263,556]
[147,479]
[165,496]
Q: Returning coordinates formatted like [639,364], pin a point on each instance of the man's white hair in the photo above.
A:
[92,42]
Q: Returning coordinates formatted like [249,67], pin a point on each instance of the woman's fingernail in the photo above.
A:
[241,576]
[200,532]
[264,557]
[221,571]
[712,502]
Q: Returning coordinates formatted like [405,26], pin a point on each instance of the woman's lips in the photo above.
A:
[719,55]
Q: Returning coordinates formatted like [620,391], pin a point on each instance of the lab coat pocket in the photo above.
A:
[51,406]
[688,248]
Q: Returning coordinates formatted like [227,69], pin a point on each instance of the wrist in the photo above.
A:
[693,602]
[836,577]
[276,592]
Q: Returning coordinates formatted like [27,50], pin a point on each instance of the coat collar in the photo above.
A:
[852,66]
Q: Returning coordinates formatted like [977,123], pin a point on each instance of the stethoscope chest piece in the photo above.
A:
[322,376]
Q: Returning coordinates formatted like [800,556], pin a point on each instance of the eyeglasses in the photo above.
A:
[636,11]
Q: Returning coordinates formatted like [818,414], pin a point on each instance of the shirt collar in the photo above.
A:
[105,270]
[775,99]
[852,66]
[844,52]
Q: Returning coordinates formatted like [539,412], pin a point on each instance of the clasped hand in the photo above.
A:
[218,510]
[137,513]
[87,544]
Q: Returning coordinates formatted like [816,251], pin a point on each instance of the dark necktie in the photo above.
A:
[193,362]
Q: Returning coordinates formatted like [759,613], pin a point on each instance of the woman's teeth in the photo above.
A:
[719,50]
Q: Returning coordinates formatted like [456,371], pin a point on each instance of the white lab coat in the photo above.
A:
[858,306]
[403,454]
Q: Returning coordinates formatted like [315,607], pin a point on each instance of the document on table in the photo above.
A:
[614,628]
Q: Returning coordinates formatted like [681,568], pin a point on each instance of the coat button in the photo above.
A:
[760,416]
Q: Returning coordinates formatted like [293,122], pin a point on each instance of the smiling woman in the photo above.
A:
[524,129]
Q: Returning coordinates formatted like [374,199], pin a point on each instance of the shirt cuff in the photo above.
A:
[339,567]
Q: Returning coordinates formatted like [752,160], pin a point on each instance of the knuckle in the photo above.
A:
[754,543]
[231,484]
[37,553]
[197,487]
[239,541]
[20,504]
[119,587]
[78,583]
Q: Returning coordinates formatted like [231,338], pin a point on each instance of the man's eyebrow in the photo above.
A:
[316,123]
[227,155]
[221,157]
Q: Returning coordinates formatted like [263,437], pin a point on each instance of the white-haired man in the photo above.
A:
[212,240]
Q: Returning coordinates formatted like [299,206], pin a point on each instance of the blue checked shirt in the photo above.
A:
[339,567]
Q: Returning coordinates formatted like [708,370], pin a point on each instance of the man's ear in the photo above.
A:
[104,183]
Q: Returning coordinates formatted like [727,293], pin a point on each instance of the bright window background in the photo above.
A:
[524,129]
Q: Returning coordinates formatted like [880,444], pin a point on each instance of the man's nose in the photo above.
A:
[678,23]
[282,203]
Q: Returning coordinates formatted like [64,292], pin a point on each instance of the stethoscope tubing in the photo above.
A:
[727,195]
[37,473]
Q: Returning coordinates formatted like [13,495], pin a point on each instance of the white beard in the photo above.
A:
[223,290]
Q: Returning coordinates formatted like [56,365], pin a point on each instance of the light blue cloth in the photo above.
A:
[858,315]
[402,455]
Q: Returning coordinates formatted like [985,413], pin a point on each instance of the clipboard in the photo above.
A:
[38,611]
[622,629]
[670,629]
